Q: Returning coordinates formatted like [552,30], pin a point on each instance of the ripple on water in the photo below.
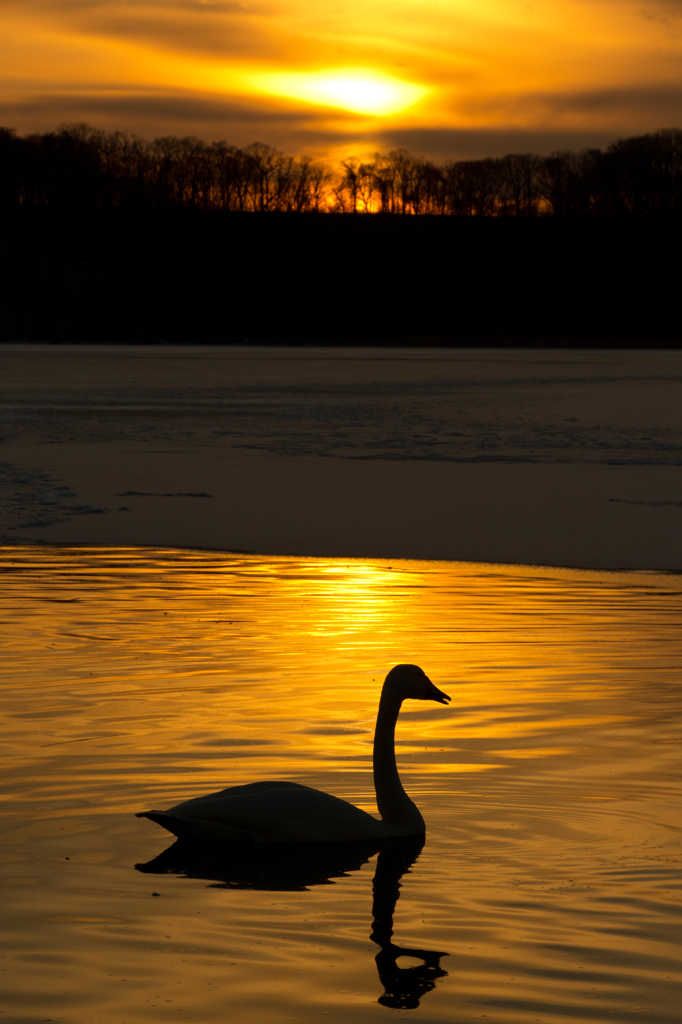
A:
[549,885]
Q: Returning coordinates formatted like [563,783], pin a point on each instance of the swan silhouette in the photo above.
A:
[287,812]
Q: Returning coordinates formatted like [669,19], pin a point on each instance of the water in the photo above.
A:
[549,887]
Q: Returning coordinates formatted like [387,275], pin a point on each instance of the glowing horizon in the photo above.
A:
[436,78]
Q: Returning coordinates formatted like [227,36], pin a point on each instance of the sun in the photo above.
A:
[358,91]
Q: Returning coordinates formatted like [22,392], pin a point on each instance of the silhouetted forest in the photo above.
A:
[105,238]
[82,167]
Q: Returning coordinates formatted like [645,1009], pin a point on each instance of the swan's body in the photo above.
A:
[286,812]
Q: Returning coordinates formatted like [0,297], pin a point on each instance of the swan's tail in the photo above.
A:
[199,828]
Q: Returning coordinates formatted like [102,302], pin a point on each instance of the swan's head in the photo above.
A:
[409,682]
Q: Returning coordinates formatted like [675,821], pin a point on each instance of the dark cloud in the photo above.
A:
[192,34]
[628,111]
[620,104]
[570,120]
[212,28]
[152,115]
[666,13]
[182,109]
[206,7]
[476,143]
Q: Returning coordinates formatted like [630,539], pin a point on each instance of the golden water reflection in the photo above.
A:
[550,786]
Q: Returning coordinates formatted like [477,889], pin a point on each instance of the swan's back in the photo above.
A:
[271,812]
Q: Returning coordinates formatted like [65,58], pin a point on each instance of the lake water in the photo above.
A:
[549,886]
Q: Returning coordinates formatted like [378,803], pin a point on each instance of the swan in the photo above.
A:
[287,812]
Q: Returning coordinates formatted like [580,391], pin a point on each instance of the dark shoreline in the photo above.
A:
[213,277]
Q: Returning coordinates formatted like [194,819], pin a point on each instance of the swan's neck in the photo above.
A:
[395,806]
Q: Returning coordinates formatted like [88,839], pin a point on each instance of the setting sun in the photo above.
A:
[445,80]
[358,91]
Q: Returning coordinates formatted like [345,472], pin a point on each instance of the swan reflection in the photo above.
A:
[295,867]
[404,986]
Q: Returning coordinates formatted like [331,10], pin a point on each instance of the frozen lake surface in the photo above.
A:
[525,456]
[549,886]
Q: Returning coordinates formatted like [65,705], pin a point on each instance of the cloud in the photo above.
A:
[579,120]
[625,108]
[162,108]
[440,144]
[192,34]
[207,7]
[151,115]
[666,13]
[212,29]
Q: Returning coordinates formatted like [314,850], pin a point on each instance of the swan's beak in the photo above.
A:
[432,692]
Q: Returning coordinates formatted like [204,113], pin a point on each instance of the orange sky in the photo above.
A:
[444,78]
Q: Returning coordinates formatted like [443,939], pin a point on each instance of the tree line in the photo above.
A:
[79,166]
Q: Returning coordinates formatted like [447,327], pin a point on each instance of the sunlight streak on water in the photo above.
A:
[550,787]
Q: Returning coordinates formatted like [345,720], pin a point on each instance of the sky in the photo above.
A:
[442,78]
